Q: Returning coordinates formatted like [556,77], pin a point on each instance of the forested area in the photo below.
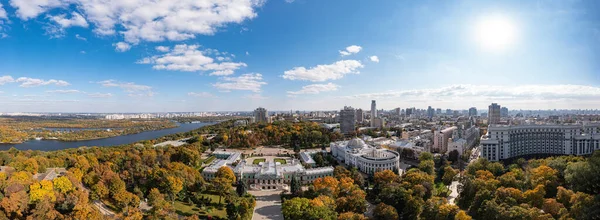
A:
[287,134]
[564,187]
[119,177]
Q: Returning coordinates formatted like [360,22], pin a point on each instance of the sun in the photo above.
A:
[495,33]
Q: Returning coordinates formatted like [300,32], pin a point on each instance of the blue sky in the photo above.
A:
[210,55]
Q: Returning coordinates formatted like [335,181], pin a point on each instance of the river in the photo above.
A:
[50,145]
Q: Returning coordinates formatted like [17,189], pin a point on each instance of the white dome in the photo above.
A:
[356,143]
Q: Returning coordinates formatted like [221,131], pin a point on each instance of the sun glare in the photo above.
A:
[495,33]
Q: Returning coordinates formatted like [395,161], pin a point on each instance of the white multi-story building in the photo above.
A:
[266,175]
[366,158]
[504,142]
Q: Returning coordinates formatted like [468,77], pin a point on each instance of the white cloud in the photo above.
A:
[316,89]
[374,59]
[458,93]
[322,73]
[31,82]
[2,13]
[27,9]
[64,91]
[250,81]
[82,52]
[100,95]
[289,1]
[189,58]
[64,22]
[6,79]
[163,48]
[122,46]
[200,94]
[144,20]
[130,88]
[350,50]
[80,37]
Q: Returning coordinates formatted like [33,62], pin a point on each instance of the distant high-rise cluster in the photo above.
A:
[261,115]
[473,111]
[347,120]
[430,112]
[494,114]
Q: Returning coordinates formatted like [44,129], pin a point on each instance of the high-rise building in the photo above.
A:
[440,139]
[430,112]
[373,111]
[448,111]
[473,111]
[494,114]
[261,115]
[347,120]
[360,115]
[504,112]
[438,111]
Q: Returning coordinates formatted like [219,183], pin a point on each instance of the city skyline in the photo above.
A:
[67,56]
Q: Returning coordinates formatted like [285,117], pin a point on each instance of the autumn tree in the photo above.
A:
[385,212]
[223,180]
[351,216]
[40,190]
[327,185]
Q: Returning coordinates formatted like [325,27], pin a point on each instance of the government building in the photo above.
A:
[265,175]
[505,142]
[366,158]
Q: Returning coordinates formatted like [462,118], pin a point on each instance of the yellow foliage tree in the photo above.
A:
[462,215]
[386,176]
[63,184]
[39,190]
[328,183]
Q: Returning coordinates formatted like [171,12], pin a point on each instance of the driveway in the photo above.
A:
[268,205]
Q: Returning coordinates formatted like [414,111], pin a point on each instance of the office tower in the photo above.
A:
[347,120]
[473,111]
[430,112]
[360,115]
[398,111]
[494,114]
[448,112]
[409,111]
[373,111]
[438,111]
[504,112]
[261,115]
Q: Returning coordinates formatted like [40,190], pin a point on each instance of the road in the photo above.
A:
[268,205]
[103,209]
[454,192]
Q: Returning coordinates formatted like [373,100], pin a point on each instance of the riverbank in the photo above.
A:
[51,145]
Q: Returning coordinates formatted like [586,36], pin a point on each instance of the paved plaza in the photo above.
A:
[268,205]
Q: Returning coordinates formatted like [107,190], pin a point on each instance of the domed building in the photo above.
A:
[364,157]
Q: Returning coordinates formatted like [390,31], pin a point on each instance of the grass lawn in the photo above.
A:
[209,160]
[280,160]
[186,209]
[258,160]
